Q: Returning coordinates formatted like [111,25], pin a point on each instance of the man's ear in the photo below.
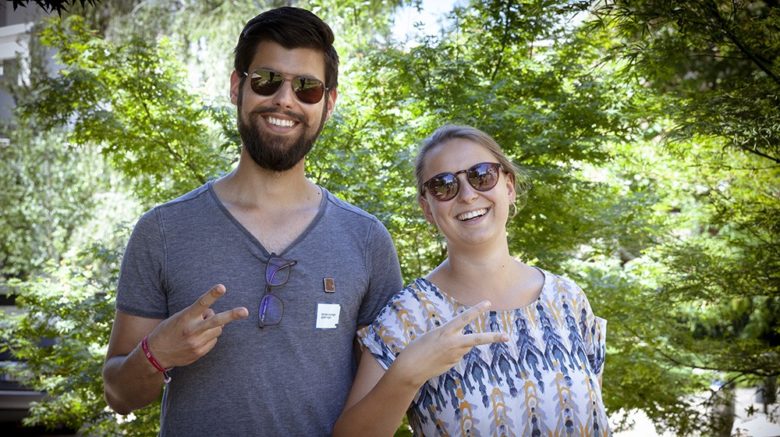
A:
[235,84]
[333,95]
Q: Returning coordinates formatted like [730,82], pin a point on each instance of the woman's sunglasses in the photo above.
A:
[267,82]
[445,186]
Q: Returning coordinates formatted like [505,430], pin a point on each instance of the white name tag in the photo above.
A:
[328,315]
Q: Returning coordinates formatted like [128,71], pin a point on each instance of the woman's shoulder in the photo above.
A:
[420,303]
[556,279]
[417,291]
[560,284]
[563,292]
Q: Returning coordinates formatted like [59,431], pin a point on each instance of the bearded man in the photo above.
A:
[242,297]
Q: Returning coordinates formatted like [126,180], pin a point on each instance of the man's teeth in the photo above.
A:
[471,214]
[279,122]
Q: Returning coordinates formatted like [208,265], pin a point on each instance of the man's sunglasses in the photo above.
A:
[277,272]
[267,82]
[445,186]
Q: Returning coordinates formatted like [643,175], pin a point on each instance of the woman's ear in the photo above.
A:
[511,188]
[426,208]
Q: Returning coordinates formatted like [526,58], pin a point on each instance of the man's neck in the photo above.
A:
[250,185]
[275,207]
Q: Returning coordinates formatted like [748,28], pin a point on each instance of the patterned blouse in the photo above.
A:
[543,382]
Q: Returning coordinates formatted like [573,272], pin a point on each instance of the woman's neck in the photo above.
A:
[503,280]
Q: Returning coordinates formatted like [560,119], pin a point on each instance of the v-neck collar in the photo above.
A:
[254,245]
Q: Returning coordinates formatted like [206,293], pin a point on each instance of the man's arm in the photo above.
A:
[130,381]
[384,272]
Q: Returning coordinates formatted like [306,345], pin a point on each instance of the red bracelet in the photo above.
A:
[155,363]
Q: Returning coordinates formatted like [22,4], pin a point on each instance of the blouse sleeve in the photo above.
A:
[394,328]
[594,332]
[598,344]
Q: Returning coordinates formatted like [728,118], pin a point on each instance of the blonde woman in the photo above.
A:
[484,344]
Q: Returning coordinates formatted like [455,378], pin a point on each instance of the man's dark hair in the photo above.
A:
[291,28]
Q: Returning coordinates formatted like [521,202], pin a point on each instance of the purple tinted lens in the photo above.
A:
[278,271]
[271,309]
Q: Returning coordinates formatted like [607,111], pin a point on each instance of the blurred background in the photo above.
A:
[648,133]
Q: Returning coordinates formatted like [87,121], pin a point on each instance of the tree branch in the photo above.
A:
[759,153]
[166,145]
[726,30]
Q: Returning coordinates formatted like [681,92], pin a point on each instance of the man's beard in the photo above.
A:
[269,151]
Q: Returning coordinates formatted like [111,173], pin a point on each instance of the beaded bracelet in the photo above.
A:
[155,363]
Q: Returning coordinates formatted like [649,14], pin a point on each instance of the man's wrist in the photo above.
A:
[153,361]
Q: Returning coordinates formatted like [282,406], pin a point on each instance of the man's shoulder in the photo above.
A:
[191,199]
[179,208]
[348,208]
[196,195]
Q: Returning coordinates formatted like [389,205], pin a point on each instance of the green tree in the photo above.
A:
[62,336]
[51,186]
[48,198]
[58,6]
[538,100]
[129,100]
[650,168]
[123,101]
[715,61]
[709,71]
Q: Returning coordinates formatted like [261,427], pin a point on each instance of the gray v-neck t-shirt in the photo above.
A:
[289,379]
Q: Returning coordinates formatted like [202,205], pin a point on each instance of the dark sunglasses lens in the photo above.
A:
[308,90]
[270,311]
[265,82]
[443,187]
[483,176]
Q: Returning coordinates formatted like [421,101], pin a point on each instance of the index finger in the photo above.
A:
[206,300]
[467,316]
[485,338]
[225,317]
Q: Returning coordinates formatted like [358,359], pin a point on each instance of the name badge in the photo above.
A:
[328,315]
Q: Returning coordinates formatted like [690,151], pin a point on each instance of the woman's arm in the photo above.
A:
[379,398]
[376,404]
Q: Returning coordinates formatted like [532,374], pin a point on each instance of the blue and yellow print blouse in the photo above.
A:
[543,382]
